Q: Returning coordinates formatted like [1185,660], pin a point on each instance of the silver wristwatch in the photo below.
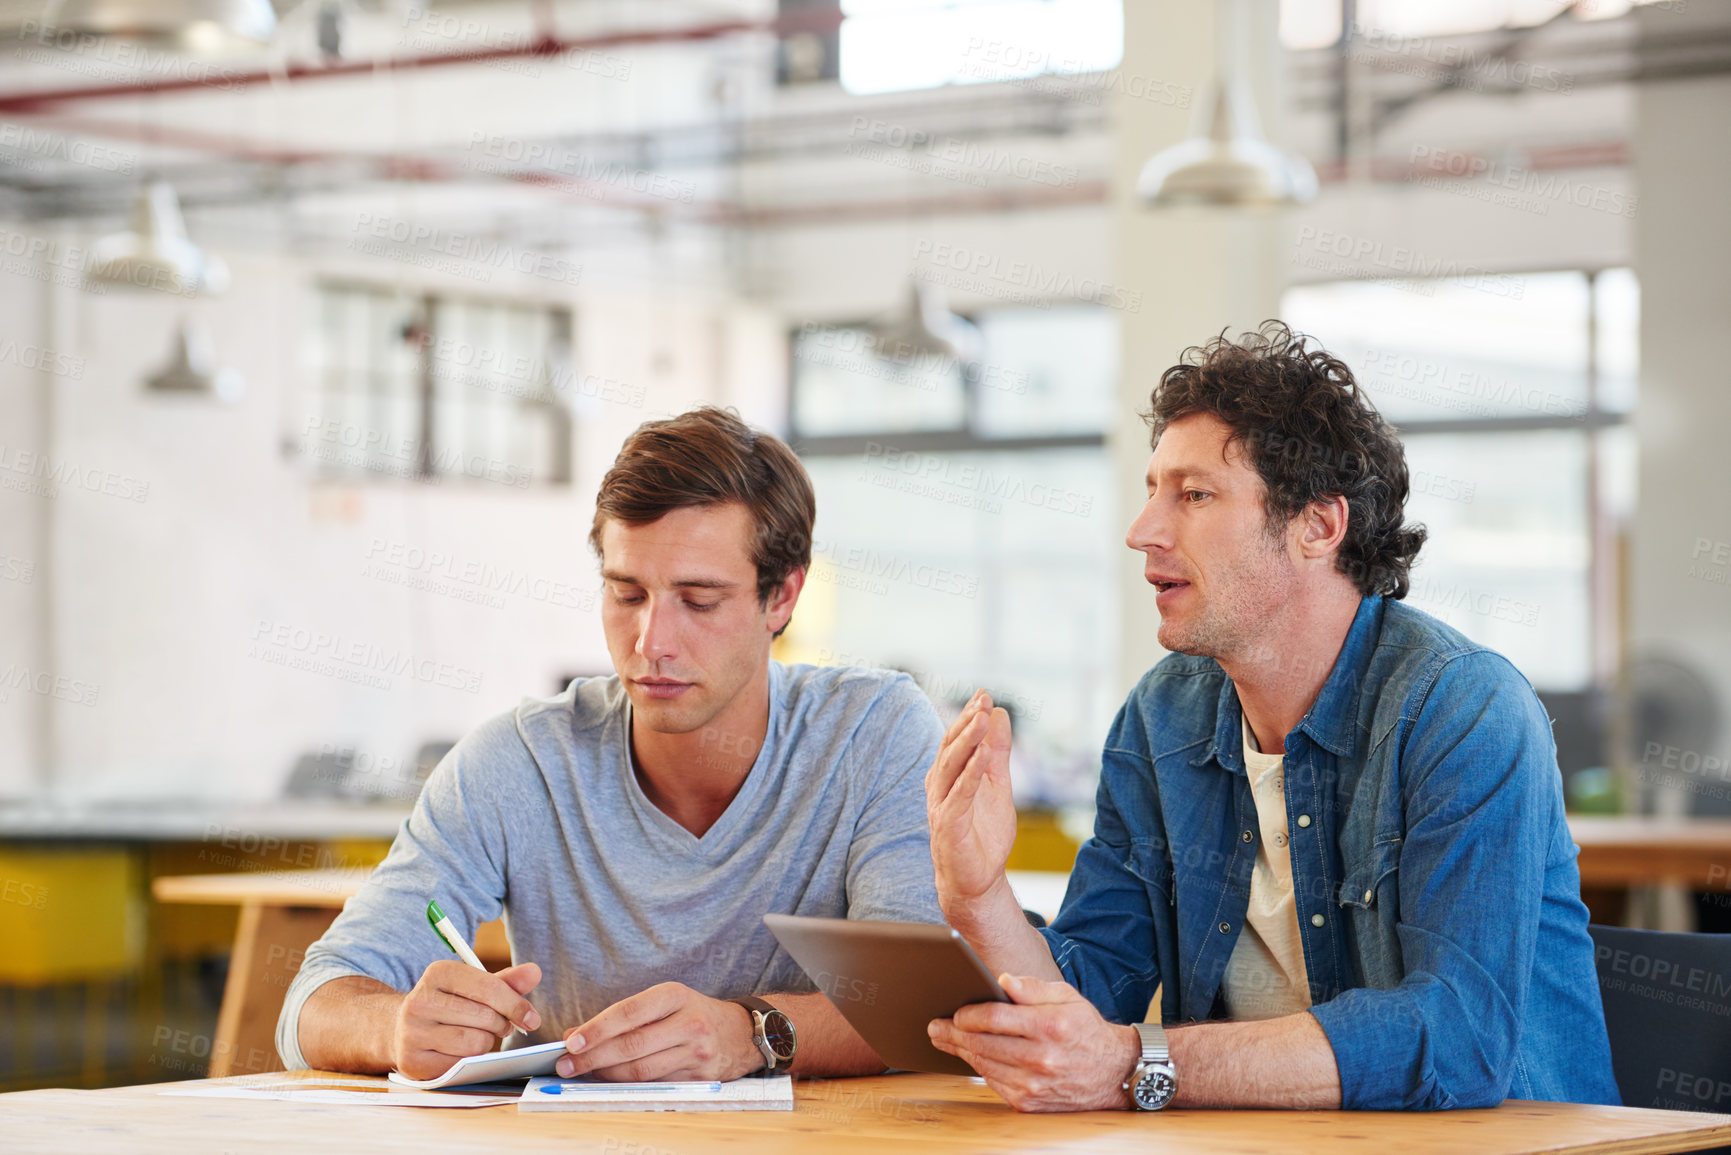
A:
[1153,1080]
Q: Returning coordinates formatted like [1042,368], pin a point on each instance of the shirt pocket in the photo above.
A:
[1370,885]
[1147,860]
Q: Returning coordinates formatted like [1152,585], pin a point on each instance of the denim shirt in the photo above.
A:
[1438,899]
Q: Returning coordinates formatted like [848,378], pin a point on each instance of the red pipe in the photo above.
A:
[387,166]
[226,80]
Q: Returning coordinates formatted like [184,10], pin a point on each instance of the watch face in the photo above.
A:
[778,1033]
[1155,1088]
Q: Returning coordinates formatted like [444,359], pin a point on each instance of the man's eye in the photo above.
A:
[627,599]
[701,606]
[1194,495]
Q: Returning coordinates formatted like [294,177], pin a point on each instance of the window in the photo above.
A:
[1511,395]
[960,530]
[1046,370]
[896,45]
[437,389]
[844,385]
[1316,23]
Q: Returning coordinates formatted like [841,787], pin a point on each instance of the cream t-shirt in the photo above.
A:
[1265,977]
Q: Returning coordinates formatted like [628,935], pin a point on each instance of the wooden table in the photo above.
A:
[282,913]
[1637,851]
[939,1114]
[229,826]
[1621,853]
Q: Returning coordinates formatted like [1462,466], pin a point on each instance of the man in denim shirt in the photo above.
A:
[1330,830]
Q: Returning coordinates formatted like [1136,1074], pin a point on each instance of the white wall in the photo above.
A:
[160,603]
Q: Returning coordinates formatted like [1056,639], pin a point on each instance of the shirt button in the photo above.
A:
[1280,840]
[1304,820]
[1280,784]
[1248,836]
[1316,920]
[1367,896]
[1225,928]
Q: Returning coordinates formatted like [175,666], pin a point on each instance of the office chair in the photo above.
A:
[1667,1000]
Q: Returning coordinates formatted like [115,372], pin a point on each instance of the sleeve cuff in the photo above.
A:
[289,1021]
[1380,1052]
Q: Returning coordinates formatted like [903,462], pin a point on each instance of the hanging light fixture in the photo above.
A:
[197,26]
[191,369]
[1232,165]
[925,327]
[155,252]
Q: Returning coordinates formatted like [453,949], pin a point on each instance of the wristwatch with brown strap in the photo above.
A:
[772,1032]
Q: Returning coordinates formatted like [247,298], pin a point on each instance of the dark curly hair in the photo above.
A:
[1308,430]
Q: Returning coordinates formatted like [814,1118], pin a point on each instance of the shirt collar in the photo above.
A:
[1332,718]
[1228,745]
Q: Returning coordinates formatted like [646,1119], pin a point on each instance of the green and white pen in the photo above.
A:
[448,933]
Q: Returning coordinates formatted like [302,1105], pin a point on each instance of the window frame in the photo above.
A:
[423,304]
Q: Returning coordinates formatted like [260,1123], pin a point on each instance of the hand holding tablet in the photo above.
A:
[889,980]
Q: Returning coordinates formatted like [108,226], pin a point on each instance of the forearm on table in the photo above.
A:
[828,1044]
[1284,1062]
[996,928]
[349,1024]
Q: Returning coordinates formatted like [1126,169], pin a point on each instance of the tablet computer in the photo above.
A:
[889,979]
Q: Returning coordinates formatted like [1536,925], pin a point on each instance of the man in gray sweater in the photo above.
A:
[633,829]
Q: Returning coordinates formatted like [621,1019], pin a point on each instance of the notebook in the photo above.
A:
[515,1064]
[752,1093]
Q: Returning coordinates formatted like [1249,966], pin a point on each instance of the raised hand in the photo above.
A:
[969,806]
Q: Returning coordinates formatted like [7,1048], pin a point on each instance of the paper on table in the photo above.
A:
[342,1092]
[748,1094]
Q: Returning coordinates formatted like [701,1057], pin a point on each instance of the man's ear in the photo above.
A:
[1322,526]
[782,599]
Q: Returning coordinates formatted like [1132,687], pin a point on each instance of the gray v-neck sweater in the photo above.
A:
[537,814]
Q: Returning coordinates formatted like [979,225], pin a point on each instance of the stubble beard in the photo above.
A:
[1234,622]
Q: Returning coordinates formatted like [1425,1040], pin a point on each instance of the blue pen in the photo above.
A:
[562,1088]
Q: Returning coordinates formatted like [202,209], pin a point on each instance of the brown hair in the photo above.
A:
[1311,434]
[708,456]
